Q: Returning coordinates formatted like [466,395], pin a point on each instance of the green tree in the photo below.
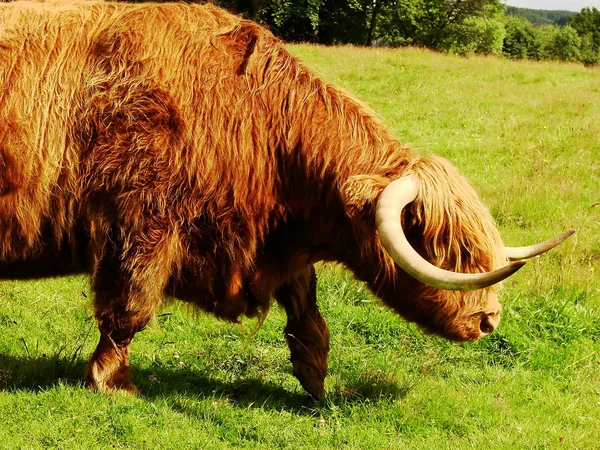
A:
[443,19]
[491,37]
[400,22]
[587,25]
[323,21]
[460,26]
[294,21]
[346,21]
[566,45]
[545,41]
[475,35]
[589,54]
[521,39]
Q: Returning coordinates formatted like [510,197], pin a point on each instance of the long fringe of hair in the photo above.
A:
[458,231]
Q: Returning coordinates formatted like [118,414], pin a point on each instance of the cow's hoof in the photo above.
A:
[126,388]
[109,378]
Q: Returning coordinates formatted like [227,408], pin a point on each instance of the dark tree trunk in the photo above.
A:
[376,10]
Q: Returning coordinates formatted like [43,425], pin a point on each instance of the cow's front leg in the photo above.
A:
[127,290]
[108,369]
[122,309]
[306,332]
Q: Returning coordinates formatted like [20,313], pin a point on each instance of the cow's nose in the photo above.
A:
[489,322]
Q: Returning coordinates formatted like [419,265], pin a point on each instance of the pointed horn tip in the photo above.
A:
[518,264]
[563,237]
[518,253]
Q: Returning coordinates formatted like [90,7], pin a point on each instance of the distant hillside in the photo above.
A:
[541,16]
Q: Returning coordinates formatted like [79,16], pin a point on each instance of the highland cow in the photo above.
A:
[179,151]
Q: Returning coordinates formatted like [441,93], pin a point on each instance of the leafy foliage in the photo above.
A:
[520,40]
[451,26]
[587,25]
[566,44]
[579,40]
[294,21]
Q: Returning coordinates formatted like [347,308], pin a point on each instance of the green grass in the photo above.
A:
[527,135]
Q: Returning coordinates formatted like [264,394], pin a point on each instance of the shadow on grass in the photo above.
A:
[38,374]
[180,387]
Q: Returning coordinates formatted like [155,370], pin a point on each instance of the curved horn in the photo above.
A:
[517,253]
[393,199]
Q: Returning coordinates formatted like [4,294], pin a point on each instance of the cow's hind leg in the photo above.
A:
[127,291]
[306,332]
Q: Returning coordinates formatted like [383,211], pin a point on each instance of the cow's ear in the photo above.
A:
[360,194]
[242,43]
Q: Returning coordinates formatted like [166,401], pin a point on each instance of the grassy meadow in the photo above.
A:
[527,135]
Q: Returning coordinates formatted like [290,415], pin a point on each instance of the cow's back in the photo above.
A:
[54,56]
[93,91]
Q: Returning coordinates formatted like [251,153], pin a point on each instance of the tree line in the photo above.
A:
[453,26]
[541,16]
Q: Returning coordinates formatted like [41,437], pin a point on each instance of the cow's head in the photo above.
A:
[440,252]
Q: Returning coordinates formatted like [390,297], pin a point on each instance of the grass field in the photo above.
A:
[527,135]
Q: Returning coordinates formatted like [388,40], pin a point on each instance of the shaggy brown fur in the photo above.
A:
[177,149]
